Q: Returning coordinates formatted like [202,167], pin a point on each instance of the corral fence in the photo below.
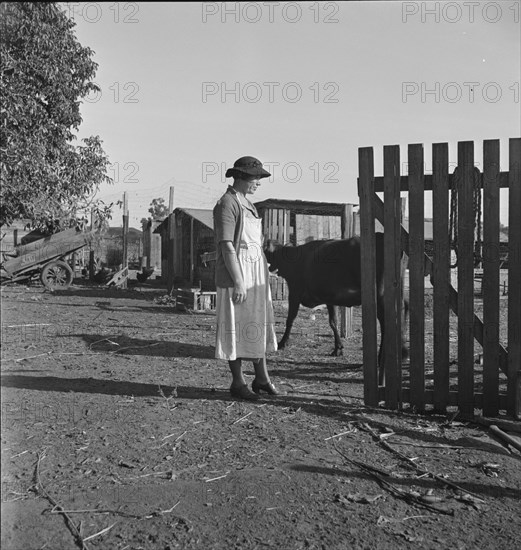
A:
[491,383]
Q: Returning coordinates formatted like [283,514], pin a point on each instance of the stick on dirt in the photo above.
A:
[70,524]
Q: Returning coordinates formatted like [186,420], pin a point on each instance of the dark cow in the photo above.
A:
[328,272]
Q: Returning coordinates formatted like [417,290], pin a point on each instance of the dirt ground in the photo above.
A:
[115,411]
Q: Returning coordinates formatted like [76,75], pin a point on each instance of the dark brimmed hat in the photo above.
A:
[249,167]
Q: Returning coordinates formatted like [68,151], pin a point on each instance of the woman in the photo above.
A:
[245,320]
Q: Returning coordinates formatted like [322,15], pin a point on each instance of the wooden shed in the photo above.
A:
[193,247]
[297,222]
[152,245]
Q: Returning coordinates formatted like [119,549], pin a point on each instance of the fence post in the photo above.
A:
[416,276]
[441,274]
[346,314]
[124,261]
[368,253]
[514,280]
[170,264]
[392,277]
[490,283]
[150,231]
[465,182]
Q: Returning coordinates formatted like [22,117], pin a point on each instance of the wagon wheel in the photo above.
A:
[56,274]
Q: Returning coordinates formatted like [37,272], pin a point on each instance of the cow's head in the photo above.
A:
[282,259]
[270,251]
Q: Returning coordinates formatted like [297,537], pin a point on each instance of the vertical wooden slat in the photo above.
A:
[298,229]
[170,253]
[192,254]
[346,317]
[170,242]
[318,227]
[368,253]
[490,284]
[392,298]
[441,274]
[466,279]
[514,279]
[416,276]
[124,260]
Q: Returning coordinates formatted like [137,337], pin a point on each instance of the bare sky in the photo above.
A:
[187,88]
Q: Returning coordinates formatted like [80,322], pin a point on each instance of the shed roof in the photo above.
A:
[202,215]
[304,207]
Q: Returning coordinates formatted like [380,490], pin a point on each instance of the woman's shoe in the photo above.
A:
[268,388]
[242,392]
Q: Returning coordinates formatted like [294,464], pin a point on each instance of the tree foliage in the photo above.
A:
[158,210]
[44,74]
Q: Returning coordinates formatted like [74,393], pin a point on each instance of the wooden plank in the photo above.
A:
[170,247]
[337,227]
[416,276]
[465,186]
[265,228]
[124,260]
[346,315]
[368,261]
[392,257]
[269,227]
[441,275]
[326,227]
[298,229]
[319,228]
[428,182]
[490,284]
[192,252]
[285,226]
[170,244]
[149,242]
[453,295]
[171,199]
[514,280]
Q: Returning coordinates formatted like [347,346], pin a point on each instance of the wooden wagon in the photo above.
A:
[45,258]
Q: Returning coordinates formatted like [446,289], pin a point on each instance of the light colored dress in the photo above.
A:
[247,330]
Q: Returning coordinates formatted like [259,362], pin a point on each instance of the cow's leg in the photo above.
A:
[334,327]
[293,307]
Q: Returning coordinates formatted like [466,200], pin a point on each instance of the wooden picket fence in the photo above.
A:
[445,385]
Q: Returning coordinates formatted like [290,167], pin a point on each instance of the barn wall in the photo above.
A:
[152,246]
[312,227]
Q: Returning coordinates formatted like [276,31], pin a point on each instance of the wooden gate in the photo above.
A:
[493,383]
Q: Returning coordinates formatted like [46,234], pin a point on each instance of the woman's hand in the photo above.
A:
[239,293]
[232,264]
